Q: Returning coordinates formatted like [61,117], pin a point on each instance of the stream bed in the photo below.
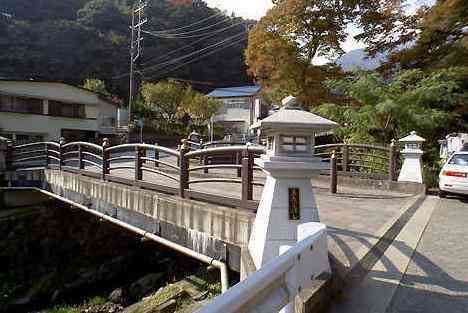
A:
[55,258]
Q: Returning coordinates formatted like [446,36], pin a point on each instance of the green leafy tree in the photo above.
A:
[441,38]
[71,40]
[381,110]
[104,15]
[199,108]
[96,85]
[164,99]
[173,102]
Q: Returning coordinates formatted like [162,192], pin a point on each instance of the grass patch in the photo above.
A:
[66,309]
[96,301]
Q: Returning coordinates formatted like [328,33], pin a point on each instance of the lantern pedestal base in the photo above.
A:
[411,171]
[287,201]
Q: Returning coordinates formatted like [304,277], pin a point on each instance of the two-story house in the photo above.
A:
[42,110]
[242,107]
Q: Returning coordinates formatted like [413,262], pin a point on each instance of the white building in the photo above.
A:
[41,110]
[242,107]
[452,143]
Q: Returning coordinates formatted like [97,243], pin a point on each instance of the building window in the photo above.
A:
[237,103]
[74,110]
[20,104]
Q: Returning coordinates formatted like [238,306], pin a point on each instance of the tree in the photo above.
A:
[42,10]
[199,108]
[164,98]
[383,110]
[71,40]
[96,85]
[174,101]
[104,15]
[285,43]
[442,39]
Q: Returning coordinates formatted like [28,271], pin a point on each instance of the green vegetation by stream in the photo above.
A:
[57,259]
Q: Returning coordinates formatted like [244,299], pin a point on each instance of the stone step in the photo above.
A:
[376,290]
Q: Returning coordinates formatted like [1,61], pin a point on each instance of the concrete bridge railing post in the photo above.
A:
[5,146]
[205,162]
[345,158]
[46,153]
[80,157]
[184,167]
[239,157]
[247,177]
[105,158]
[156,155]
[61,152]
[139,152]
[333,174]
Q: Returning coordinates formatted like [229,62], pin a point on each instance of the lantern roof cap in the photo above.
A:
[292,116]
[412,137]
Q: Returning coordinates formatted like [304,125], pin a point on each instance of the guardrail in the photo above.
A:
[276,284]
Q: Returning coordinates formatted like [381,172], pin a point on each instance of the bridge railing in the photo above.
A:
[237,158]
[38,154]
[277,283]
[366,160]
[181,171]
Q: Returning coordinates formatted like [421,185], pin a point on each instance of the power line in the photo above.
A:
[193,43]
[185,34]
[170,62]
[198,58]
[193,53]
[193,24]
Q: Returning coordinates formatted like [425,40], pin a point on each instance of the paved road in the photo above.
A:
[436,279]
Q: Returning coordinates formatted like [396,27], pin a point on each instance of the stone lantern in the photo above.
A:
[287,199]
[411,171]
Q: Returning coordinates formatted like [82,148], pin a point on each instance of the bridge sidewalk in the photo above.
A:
[423,270]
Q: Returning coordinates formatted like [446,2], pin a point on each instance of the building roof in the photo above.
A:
[413,137]
[100,95]
[291,116]
[242,91]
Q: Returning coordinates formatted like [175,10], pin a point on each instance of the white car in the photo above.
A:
[453,177]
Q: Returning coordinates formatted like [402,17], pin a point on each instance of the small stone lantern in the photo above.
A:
[287,199]
[411,171]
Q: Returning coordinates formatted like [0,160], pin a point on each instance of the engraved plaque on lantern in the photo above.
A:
[294,204]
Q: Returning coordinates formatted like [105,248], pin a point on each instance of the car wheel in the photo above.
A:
[442,194]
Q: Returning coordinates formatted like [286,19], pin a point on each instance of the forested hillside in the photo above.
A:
[71,40]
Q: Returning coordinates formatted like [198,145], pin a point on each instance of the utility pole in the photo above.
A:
[135,49]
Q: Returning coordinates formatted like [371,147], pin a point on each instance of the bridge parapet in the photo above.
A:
[278,282]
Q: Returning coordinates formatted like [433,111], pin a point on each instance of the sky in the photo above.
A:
[255,9]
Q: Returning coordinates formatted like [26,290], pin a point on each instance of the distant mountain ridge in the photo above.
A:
[358,59]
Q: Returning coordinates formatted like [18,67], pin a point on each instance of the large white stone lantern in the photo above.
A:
[287,199]
[411,171]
